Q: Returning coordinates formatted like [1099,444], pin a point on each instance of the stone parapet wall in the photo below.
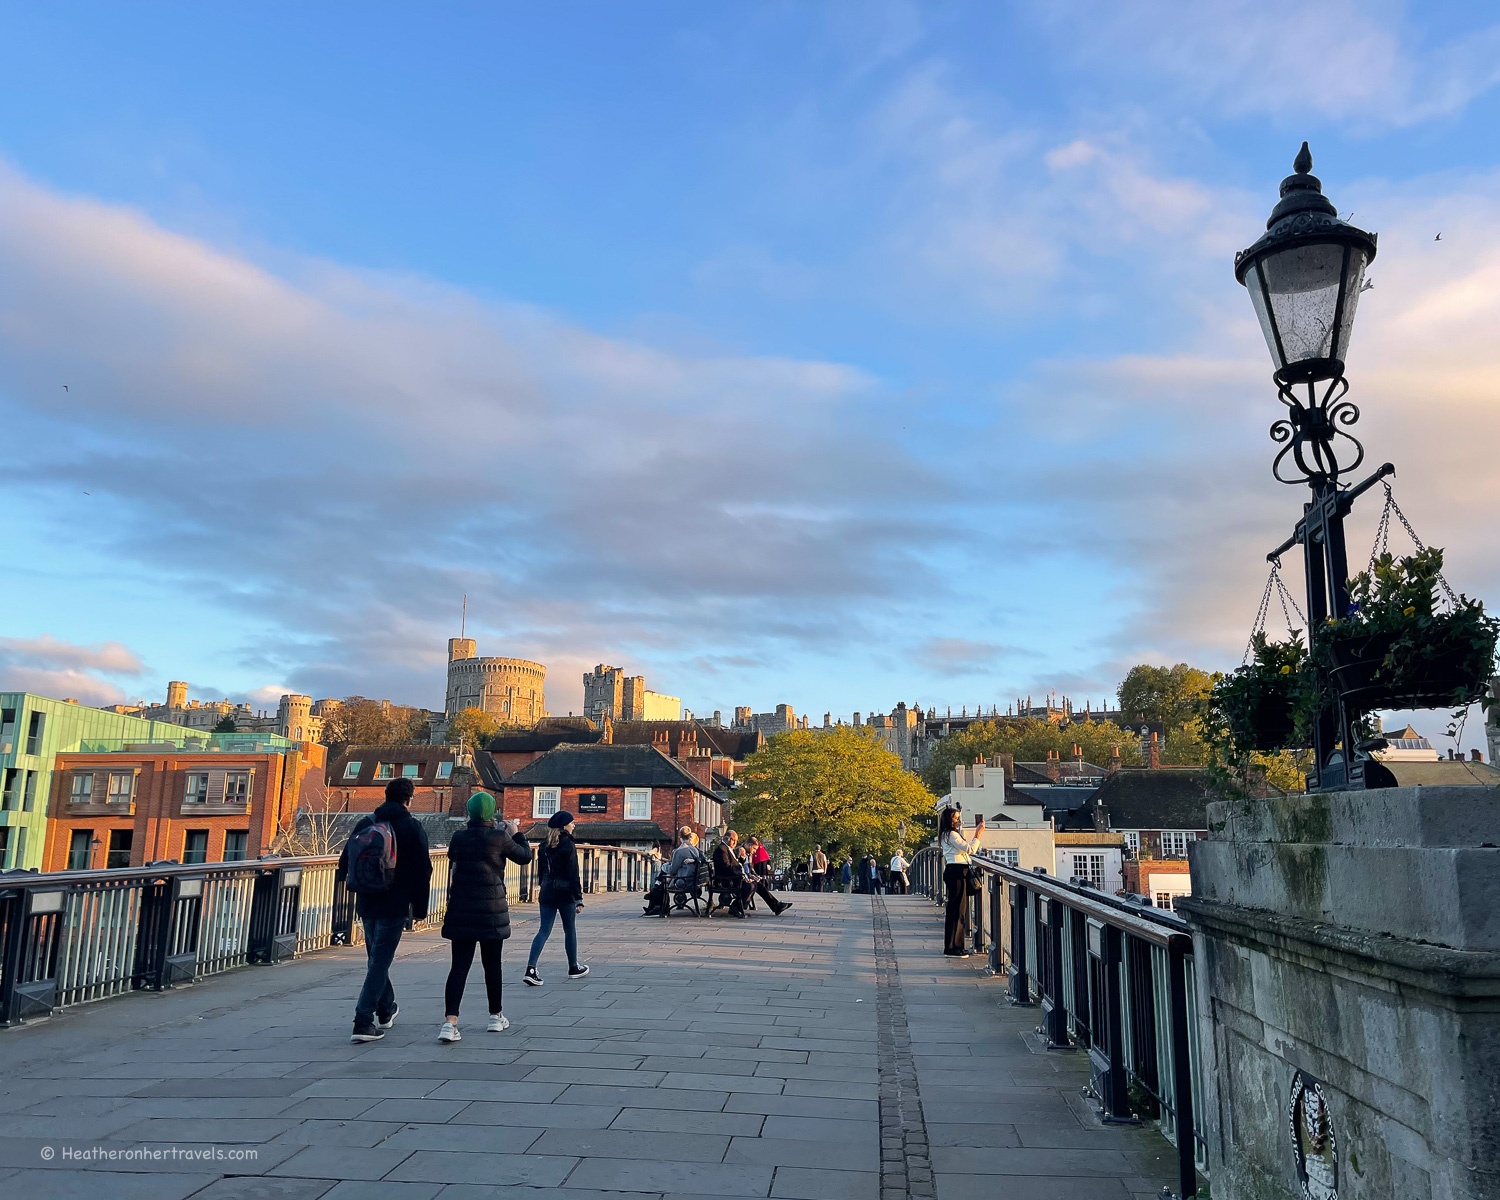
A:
[1349,942]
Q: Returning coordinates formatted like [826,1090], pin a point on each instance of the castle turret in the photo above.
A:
[177,694]
[462,648]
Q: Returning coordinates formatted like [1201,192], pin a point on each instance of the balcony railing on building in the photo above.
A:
[76,936]
[1110,978]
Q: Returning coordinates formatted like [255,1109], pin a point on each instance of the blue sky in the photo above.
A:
[829,354]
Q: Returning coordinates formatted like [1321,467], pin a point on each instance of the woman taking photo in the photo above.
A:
[559,896]
[956,852]
[478,913]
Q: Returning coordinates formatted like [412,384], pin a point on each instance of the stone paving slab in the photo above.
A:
[699,1058]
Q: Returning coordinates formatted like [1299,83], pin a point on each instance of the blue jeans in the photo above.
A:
[382,936]
[546,913]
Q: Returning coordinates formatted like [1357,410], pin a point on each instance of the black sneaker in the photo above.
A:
[781,908]
[578,972]
[532,977]
[387,1021]
[367,1031]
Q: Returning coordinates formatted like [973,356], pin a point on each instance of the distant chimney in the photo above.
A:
[608,738]
[1054,766]
[1114,757]
[1475,756]
[1153,753]
[1077,755]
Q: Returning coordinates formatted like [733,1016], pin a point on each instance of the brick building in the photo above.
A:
[621,795]
[356,777]
[214,799]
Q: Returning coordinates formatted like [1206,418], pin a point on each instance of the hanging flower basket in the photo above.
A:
[1396,649]
[1265,705]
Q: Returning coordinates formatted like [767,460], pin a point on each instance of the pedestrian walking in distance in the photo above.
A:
[386,865]
[478,911]
[957,850]
[817,869]
[898,883]
[559,896]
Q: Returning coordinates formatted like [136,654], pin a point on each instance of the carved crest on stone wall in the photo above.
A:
[1314,1146]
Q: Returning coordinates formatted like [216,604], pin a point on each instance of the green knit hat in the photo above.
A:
[481,807]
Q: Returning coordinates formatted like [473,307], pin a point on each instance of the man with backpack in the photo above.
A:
[388,868]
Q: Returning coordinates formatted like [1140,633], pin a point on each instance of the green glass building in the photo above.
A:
[33,731]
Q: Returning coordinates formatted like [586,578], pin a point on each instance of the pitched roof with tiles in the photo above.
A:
[605,766]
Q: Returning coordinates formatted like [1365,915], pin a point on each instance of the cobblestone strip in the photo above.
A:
[905,1162]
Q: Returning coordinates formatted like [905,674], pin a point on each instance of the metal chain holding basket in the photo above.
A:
[1383,540]
[1288,606]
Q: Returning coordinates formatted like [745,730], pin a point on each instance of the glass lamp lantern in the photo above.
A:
[1304,276]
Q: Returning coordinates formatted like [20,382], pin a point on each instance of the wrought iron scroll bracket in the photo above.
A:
[1311,431]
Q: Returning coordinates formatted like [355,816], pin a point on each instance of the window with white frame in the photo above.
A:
[545,801]
[1005,856]
[197,788]
[445,770]
[1167,900]
[121,787]
[385,770]
[637,804]
[351,769]
[1174,843]
[237,787]
[83,789]
[1089,867]
[1132,842]
[411,770]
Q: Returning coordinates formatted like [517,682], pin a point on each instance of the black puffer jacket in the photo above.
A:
[557,867]
[477,906]
[410,890]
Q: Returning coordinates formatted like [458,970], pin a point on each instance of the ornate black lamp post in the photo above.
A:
[1304,276]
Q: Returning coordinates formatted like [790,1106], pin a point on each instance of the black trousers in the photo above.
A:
[956,922]
[458,973]
[753,887]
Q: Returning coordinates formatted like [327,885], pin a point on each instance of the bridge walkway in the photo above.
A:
[830,1054]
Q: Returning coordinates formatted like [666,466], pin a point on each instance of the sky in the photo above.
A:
[829,354]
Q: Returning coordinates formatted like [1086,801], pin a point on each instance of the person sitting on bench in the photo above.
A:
[729,874]
[681,872]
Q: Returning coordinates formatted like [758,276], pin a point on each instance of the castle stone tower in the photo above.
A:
[511,689]
[294,719]
[177,694]
[462,648]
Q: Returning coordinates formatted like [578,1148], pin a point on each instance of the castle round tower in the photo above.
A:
[510,689]
[294,719]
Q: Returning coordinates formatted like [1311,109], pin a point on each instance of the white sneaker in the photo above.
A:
[499,1023]
[449,1032]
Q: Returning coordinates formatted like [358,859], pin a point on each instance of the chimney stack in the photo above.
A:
[1114,757]
[1153,752]
[1054,766]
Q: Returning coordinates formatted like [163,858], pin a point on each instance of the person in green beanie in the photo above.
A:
[478,912]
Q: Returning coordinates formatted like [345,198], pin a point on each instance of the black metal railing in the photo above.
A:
[1110,977]
[75,936]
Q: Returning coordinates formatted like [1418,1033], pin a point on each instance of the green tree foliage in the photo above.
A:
[1028,740]
[225,725]
[473,728]
[839,787]
[1166,694]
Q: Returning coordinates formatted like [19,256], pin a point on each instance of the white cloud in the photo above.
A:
[49,666]
[1368,64]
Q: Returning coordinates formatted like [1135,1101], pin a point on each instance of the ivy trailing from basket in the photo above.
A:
[1268,704]
[1398,649]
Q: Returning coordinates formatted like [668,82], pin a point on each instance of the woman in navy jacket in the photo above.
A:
[560,895]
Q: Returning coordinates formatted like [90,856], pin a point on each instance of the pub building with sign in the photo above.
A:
[632,796]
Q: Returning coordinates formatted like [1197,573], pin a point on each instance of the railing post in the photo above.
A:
[28,985]
[1107,1027]
[995,883]
[1020,982]
[167,937]
[341,919]
[273,914]
[1182,1068]
[1054,1006]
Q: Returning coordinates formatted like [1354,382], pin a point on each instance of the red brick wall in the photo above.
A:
[1138,872]
[157,822]
[671,807]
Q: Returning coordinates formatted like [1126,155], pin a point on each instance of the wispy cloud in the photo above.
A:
[1370,64]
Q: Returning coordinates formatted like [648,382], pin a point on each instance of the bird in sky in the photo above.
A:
[65,387]
[88,493]
[1438,238]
